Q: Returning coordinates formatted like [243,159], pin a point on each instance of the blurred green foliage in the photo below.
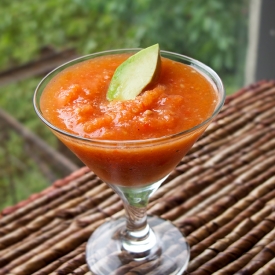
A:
[16,99]
[19,174]
[212,31]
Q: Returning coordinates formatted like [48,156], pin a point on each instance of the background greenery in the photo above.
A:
[212,31]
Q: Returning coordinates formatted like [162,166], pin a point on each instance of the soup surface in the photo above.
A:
[75,101]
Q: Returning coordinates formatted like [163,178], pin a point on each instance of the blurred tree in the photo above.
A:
[211,31]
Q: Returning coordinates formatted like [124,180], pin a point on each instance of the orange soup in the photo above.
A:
[75,101]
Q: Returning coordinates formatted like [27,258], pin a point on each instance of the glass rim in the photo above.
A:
[101,142]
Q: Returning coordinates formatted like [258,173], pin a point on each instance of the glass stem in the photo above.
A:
[136,221]
[137,238]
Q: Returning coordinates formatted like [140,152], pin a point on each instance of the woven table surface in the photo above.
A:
[221,196]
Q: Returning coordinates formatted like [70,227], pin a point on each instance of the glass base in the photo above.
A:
[105,254]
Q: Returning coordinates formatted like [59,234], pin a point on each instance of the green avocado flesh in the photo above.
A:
[135,74]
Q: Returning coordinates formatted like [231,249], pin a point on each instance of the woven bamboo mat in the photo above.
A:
[221,196]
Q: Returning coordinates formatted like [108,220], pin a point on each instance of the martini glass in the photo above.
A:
[134,169]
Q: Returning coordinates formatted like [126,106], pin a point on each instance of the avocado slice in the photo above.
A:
[135,74]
